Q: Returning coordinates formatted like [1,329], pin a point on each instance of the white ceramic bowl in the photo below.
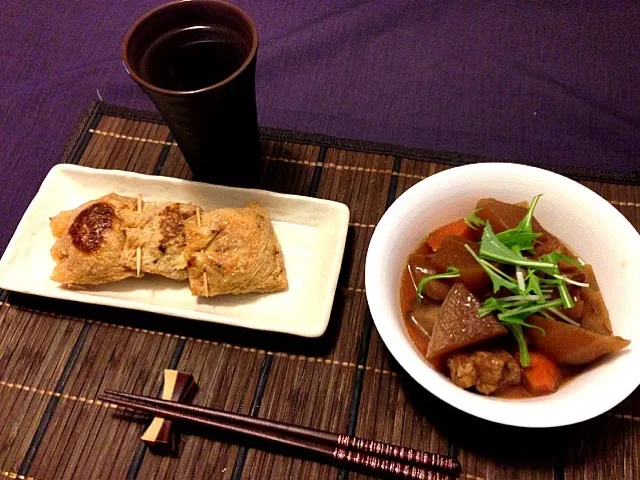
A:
[578,216]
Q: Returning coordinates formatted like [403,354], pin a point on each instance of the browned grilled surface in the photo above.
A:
[55,357]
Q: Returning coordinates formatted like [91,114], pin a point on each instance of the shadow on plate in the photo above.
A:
[158,286]
[258,339]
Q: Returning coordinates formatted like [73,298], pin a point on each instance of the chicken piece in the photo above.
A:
[495,370]
[90,241]
[237,250]
[462,370]
[158,230]
[487,371]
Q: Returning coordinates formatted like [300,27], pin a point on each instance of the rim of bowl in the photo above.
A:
[487,408]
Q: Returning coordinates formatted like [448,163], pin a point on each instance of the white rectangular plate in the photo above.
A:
[312,234]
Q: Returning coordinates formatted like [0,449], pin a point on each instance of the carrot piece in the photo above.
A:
[459,227]
[542,376]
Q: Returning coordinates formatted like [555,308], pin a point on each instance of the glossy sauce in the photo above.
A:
[519,391]
[408,298]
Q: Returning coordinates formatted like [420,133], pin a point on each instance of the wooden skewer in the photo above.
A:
[204,274]
[139,249]
[379,456]
[206,284]
[138,261]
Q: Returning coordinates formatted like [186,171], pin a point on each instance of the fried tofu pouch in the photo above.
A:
[237,250]
[90,241]
[159,232]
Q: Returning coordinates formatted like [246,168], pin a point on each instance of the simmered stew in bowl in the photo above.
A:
[502,306]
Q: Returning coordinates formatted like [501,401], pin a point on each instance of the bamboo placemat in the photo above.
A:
[55,357]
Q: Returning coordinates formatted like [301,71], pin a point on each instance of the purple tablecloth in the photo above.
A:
[550,84]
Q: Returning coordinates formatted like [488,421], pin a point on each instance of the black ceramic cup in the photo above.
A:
[196,60]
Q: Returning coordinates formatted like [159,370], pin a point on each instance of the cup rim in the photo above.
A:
[178,93]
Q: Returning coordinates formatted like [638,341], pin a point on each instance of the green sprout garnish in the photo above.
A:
[516,331]
[565,296]
[522,235]
[561,315]
[568,280]
[473,221]
[529,310]
[512,238]
[504,304]
[497,276]
[451,272]
[533,285]
[538,286]
[493,249]
[526,224]
[555,257]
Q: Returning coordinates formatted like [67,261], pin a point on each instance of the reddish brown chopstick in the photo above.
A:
[324,444]
[417,457]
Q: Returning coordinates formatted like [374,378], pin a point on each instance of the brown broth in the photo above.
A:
[408,297]
[513,392]
[418,337]
[519,391]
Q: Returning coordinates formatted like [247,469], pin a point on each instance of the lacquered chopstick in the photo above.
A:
[432,461]
[350,458]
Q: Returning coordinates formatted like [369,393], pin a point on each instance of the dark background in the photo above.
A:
[552,83]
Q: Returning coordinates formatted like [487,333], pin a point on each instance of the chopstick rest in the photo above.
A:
[178,387]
